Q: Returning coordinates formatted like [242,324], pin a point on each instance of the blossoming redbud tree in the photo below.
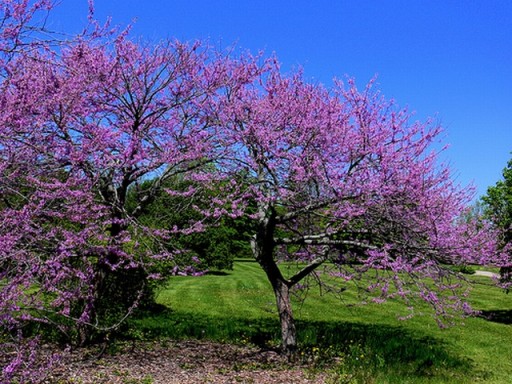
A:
[84,121]
[346,184]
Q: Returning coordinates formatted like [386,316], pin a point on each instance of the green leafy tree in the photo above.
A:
[497,206]
[213,245]
[498,203]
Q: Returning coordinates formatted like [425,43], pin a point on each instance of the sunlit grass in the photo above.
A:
[368,342]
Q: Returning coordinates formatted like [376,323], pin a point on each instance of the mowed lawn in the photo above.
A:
[359,342]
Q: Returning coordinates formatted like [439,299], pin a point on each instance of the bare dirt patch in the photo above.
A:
[181,362]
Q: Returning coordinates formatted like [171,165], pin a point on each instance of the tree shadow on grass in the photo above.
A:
[381,348]
[497,316]
[217,273]
[387,348]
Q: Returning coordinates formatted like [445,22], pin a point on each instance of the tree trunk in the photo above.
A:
[281,289]
[288,330]
[505,274]
[114,291]
[263,245]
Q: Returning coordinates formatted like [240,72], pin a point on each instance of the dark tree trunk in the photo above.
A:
[505,274]
[115,291]
[263,250]
[288,330]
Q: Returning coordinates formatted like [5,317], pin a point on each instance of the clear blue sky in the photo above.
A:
[446,58]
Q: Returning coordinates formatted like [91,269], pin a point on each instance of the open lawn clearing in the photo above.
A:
[239,307]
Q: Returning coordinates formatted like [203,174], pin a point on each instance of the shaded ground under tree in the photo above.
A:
[332,350]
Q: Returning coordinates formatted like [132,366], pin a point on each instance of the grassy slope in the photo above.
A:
[239,307]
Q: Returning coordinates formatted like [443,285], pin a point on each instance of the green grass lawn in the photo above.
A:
[366,343]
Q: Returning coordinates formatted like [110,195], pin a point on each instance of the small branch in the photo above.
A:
[311,208]
[306,270]
[305,209]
